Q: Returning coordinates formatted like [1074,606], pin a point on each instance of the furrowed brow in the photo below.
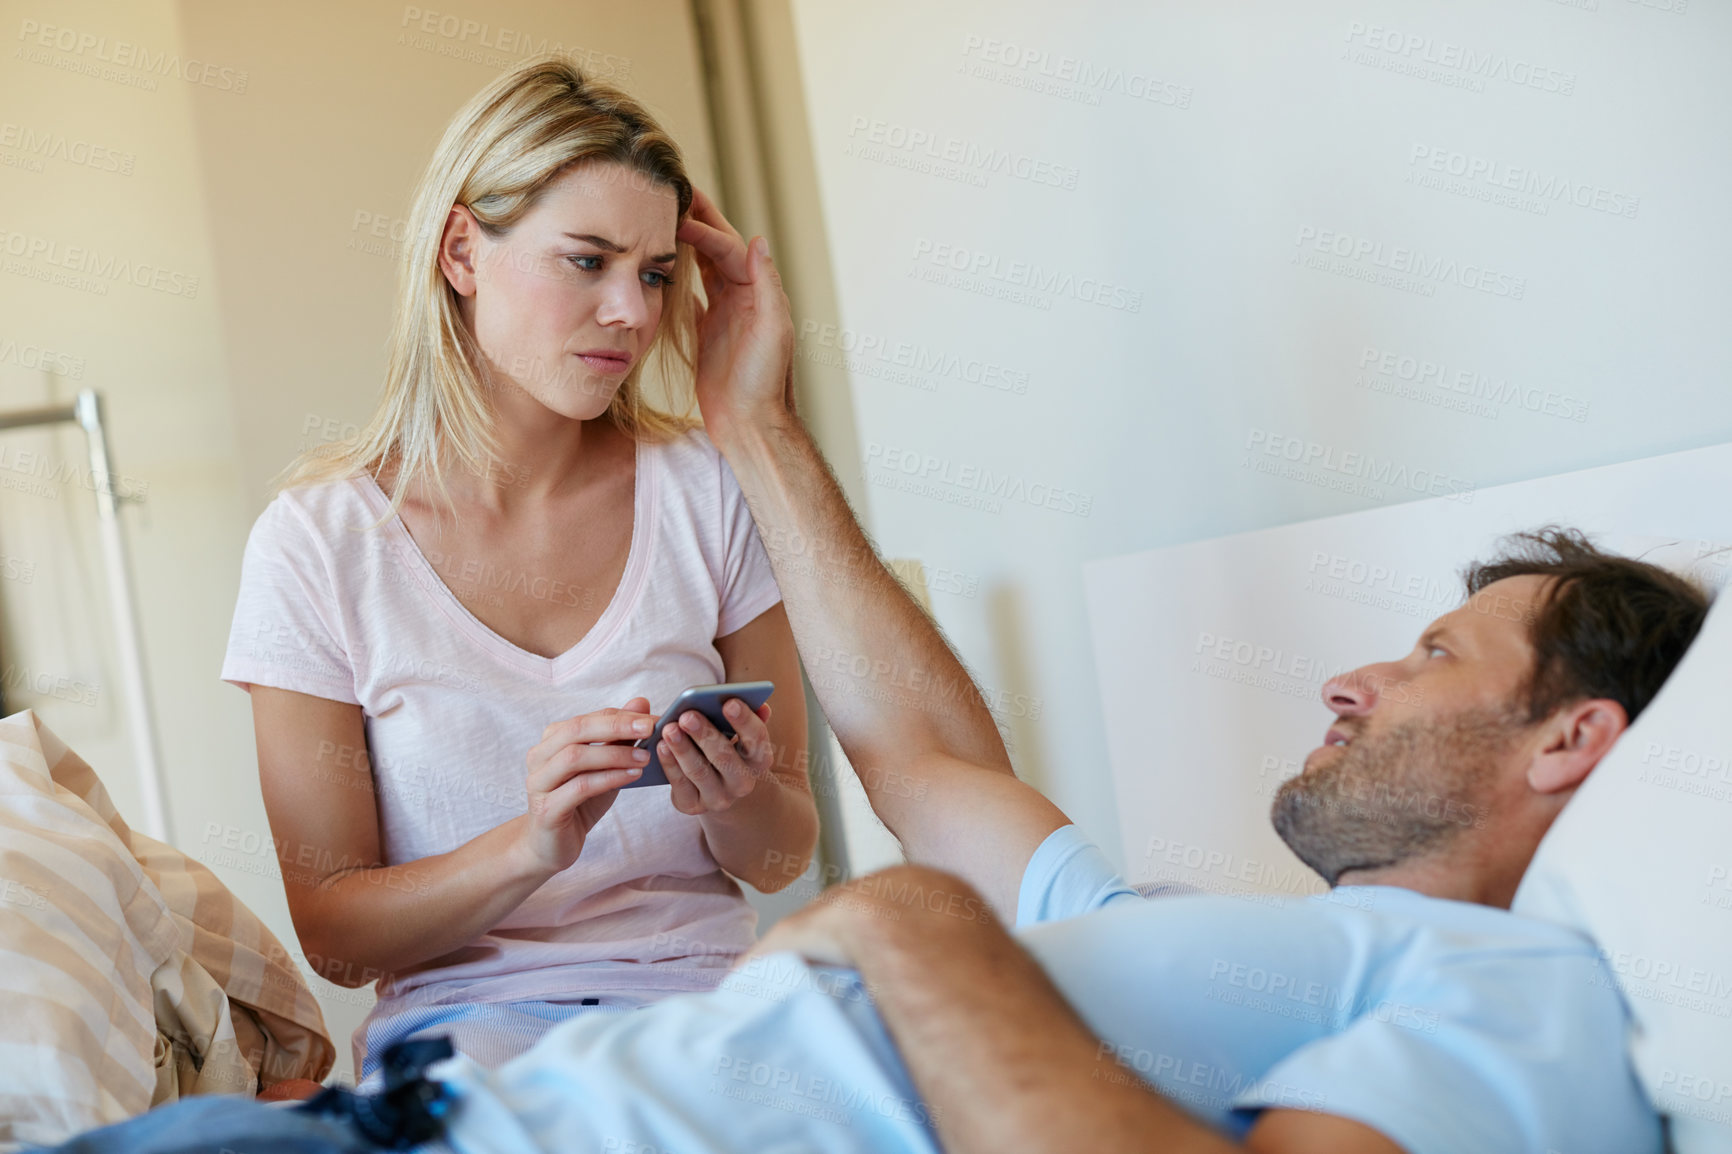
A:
[600,242]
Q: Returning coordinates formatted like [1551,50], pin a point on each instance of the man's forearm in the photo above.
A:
[999,1057]
[910,719]
[891,687]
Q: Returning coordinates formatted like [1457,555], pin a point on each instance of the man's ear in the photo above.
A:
[1576,737]
[457,249]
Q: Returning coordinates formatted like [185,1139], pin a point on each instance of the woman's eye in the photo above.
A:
[1434,650]
[580,258]
[657,279]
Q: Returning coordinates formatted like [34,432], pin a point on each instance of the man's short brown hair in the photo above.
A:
[1609,626]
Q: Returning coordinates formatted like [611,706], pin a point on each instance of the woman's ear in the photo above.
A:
[1576,738]
[457,250]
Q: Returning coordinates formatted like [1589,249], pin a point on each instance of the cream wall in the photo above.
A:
[255,178]
[309,178]
[97,167]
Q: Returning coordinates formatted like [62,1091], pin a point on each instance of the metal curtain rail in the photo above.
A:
[86,412]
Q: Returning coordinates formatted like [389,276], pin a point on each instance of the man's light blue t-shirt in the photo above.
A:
[1447,1026]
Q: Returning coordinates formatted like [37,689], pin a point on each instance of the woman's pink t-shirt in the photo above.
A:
[332,608]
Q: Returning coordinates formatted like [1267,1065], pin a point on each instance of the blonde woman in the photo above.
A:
[454,624]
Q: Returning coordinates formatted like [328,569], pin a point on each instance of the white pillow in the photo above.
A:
[1641,860]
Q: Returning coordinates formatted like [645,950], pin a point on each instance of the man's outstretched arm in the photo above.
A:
[905,711]
[907,714]
[1000,1059]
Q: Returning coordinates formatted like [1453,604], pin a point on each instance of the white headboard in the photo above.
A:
[1211,656]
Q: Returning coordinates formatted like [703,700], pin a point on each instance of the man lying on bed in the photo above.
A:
[1407,1009]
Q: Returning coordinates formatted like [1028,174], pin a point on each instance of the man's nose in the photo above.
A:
[1353,694]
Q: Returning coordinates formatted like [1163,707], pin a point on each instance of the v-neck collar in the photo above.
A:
[646,488]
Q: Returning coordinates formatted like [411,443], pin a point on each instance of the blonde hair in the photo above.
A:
[498,157]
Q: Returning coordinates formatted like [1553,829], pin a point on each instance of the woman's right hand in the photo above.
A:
[575,772]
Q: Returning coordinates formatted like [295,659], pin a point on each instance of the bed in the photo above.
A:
[132,976]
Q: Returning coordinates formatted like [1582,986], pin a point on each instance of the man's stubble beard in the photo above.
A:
[1392,796]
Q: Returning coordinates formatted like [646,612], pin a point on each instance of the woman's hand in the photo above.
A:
[745,332]
[708,772]
[574,775]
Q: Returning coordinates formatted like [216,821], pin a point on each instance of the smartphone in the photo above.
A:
[707,700]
